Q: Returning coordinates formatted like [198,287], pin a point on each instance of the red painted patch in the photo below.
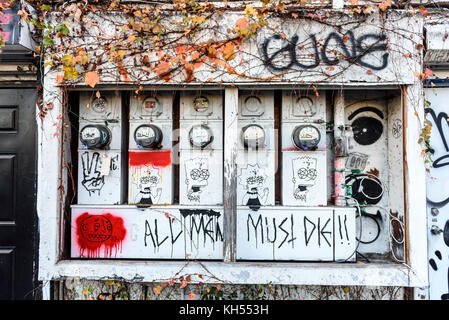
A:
[155,158]
[97,232]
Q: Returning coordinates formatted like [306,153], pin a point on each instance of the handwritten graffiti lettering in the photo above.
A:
[198,226]
[321,232]
[354,50]
[266,230]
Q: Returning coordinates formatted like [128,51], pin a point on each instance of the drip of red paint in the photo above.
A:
[156,158]
[99,232]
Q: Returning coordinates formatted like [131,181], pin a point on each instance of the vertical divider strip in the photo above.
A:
[231,135]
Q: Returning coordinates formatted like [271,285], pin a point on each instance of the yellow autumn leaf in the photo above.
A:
[68,60]
[70,72]
[249,11]
[120,54]
[92,78]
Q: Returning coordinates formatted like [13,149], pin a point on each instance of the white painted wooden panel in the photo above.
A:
[150,177]
[93,187]
[437,37]
[304,178]
[256,105]
[255,178]
[345,243]
[112,108]
[213,112]
[162,110]
[437,183]
[201,177]
[368,152]
[153,233]
[303,106]
[305,234]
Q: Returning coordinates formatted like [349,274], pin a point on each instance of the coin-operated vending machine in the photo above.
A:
[304,167]
[201,148]
[150,174]
[100,160]
[256,152]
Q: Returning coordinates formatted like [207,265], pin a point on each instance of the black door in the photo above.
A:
[17,193]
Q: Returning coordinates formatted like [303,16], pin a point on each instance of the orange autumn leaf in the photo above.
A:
[384,5]
[183,284]
[229,51]
[59,78]
[191,296]
[241,23]
[157,290]
[92,78]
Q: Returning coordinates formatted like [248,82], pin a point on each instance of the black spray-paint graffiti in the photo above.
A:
[366,130]
[441,161]
[197,177]
[304,176]
[196,224]
[354,50]
[93,181]
[253,178]
[258,228]
[366,219]
[432,262]
[438,121]
[283,231]
[366,188]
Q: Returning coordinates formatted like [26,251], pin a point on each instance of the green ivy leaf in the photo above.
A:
[62,29]
[47,41]
[45,7]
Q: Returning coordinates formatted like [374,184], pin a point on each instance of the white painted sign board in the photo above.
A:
[309,234]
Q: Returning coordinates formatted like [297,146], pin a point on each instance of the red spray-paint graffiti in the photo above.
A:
[99,232]
[156,158]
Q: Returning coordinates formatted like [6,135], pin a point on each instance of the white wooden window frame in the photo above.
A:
[49,210]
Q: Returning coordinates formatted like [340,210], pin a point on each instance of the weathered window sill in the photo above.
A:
[286,273]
